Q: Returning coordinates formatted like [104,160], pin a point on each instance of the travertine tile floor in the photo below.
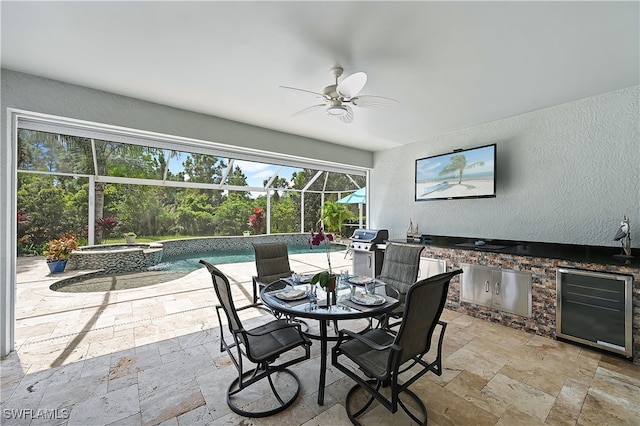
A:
[151,356]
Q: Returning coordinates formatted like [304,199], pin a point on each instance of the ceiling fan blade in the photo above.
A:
[295,89]
[352,85]
[308,109]
[348,117]
[368,101]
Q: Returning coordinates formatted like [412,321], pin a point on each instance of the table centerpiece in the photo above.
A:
[326,279]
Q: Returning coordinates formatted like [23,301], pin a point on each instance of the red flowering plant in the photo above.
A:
[106,225]
[256,220]
[316,239]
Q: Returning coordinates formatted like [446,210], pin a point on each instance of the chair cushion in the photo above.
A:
[280,338]
[371,361]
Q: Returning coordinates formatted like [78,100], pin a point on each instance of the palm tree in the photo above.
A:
[457,165]
[334,214]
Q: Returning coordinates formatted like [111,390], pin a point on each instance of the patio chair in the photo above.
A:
[261,346]
[272,263]
[400,271]
[382,356]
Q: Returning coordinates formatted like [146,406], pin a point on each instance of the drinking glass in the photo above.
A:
[370,287]
[312,295]
[344,275]
[297,278]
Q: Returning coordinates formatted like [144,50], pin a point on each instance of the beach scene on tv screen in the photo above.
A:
[468,173]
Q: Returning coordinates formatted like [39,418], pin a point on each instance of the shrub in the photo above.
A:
[61,248]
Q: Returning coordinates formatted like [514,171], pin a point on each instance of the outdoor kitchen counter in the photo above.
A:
[570,252]
[542,261]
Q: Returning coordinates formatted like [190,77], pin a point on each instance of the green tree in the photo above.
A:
[334,215]
[312,201]
[144,209]
[117,156]
[49,203]
[195,213]
[238,178]
[278,183]
[232,215]
[203,168]
[285,217]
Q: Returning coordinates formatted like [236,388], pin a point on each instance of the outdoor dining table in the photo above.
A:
[343,309]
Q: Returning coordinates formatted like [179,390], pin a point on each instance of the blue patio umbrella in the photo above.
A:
[358,197]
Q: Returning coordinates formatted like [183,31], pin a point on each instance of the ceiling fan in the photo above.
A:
[339,97]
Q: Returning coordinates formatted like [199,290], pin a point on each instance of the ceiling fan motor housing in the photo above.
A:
[331,91]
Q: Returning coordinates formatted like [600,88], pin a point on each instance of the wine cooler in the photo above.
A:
[595,309]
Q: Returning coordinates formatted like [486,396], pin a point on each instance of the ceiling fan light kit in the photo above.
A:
[337,110]
[339,96]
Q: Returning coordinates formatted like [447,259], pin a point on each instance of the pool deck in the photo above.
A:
[151,356]
[55,328]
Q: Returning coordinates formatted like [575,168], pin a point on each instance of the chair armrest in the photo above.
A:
[366,341]
[241,308]
[391,289]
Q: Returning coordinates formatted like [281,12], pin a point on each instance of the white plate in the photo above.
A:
[360,279]
[291,294]
[368,299]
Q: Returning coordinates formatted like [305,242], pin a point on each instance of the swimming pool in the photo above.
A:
[171,268]
[190,262]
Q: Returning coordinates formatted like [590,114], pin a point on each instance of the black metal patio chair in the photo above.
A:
[261,346]
[272,263]
[382,356]
[400,269]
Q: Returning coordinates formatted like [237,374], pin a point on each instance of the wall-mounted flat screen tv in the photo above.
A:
[468,173]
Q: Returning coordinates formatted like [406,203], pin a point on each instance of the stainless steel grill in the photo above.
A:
[368,247]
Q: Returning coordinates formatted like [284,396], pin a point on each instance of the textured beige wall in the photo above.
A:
[566,174]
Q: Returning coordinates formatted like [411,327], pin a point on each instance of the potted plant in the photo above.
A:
[130,237]
[246,233]
[326,279]
[59,250]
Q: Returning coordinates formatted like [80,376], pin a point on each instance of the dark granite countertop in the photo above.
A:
[570,252]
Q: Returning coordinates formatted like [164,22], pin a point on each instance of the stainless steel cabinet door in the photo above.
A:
[430,267]
[512,291]
[502,289]
[477,284]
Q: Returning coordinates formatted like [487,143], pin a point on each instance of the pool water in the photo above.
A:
[190,262]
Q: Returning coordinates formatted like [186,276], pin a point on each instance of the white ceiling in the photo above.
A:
[451,65]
